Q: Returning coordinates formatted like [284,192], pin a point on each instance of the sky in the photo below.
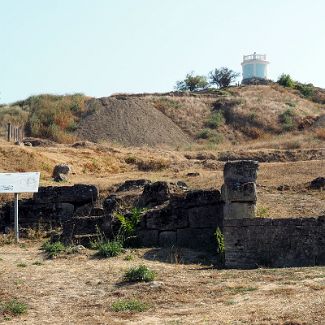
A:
[100,47]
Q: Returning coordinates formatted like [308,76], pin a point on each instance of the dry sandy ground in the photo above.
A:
[80,289]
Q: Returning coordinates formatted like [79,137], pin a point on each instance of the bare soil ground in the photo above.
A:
[130,122]
[80,289]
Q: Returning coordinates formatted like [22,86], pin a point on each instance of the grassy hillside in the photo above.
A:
[245,114]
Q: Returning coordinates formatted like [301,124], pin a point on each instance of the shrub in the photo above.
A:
[286,81]
[307,90]
[204,134]
[139,274]
[132,305]
[110,249]
[287,119]
[216,120]
[53,249]
[13,307]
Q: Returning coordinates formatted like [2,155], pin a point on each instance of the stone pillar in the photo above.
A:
[239,189]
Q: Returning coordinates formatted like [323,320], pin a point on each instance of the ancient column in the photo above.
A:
[239,189]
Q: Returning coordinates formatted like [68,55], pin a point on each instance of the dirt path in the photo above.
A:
[79,289]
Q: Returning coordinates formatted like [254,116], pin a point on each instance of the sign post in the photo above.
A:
[18,183]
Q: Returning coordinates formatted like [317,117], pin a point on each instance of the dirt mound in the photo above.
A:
[132,122]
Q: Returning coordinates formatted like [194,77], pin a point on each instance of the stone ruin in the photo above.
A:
[180,217]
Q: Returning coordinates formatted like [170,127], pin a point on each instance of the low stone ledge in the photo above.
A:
[76,194]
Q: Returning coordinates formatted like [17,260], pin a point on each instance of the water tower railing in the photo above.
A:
[254,57]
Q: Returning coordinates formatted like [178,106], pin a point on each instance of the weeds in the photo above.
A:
[220,245]
[22,265]
[139,274]
[216,120]
[53,249]
[110,249]
[203,134]
[13,307]
[263,212]
[131,305]
[287,119]
[128,257]
[128,223]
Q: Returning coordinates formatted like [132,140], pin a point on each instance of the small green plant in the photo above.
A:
[53,249]
[128,257]
[139,274]
[287,119]
[263,212]
[216,120]
[130,160]
[131,305]
[128,223]
[38,263]
[13,307]
[21,264]
[110,249]
[203,134]
[220,245]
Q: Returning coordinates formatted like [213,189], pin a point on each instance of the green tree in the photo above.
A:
[222,77]
[192,82]
[285,80]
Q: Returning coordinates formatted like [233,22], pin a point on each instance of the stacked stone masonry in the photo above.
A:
[250,243]
[239,189]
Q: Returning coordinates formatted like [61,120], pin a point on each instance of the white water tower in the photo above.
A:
[254,66]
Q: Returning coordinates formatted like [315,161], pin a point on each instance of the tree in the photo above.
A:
[285,80]
[192,82]
[222,77]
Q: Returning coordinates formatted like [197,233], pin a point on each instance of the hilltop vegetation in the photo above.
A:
[228,116]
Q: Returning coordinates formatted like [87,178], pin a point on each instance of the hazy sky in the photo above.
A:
[100,47]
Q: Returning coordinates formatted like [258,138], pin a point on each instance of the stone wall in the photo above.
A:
[250,243]
[174,216]
[50,207]
[185,221]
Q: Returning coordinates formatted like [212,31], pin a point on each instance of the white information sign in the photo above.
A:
[19,182]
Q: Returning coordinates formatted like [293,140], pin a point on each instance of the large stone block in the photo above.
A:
[167,239]
[206,216]
[148,238]
[240,210]
[239,192]
[201,238]
[76,194]
[243,171]
[154,194]
[165,219]
[196,198]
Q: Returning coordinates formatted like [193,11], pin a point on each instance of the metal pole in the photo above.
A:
[16,218]
[9,132]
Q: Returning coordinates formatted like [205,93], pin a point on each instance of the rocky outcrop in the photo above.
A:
[61,172]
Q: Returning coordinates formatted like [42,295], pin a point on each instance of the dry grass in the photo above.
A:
[84,292]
